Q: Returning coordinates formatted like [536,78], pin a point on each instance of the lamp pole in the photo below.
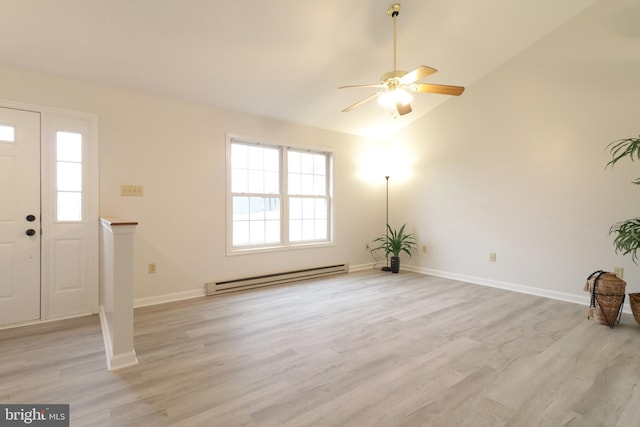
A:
[386,228]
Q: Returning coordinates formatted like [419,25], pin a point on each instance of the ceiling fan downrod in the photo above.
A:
[393,12]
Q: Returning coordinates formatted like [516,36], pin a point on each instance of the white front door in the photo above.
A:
[20,217]
[48,214]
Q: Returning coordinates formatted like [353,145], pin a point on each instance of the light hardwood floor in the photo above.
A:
[363,349]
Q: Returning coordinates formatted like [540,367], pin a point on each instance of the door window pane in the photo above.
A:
[69,206]
[7,133]
[69,147]
[69,176]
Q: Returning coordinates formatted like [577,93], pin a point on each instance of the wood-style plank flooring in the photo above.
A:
[363,349]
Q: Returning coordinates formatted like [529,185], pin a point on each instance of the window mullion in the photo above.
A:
[284,191]
[328,195]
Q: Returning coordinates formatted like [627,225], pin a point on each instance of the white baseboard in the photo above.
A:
[360,267]
[117,361]
[546,293]
[179,296]
[161,299]
[122,361]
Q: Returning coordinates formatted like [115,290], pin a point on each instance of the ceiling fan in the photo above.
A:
[396,85]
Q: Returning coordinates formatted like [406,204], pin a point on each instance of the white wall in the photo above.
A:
[515,165]
[176,150]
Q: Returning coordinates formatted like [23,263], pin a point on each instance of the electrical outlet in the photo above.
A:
[618,271]
[152,268]
[132,190]
[492,257]
[424,249]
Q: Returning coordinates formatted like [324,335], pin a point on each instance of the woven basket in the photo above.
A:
[607,296]
[634,301]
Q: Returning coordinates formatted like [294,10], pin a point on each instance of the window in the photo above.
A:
[279,196]
[308,200]
[68,176]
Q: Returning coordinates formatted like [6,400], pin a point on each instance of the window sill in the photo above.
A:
[267,249]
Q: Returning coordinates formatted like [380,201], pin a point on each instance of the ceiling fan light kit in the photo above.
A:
[396,86]
[392,98]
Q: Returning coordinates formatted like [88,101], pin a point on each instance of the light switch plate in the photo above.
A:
[132,190]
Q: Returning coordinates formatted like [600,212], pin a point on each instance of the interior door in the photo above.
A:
[20,229]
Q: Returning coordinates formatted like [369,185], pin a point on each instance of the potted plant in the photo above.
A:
[394,242]
[627,240]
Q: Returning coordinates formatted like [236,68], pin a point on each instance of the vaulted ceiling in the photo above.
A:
[282,58]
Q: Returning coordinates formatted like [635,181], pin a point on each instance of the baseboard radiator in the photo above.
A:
[214,288]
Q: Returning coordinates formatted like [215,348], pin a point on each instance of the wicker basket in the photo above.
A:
[607,296]
[634,301]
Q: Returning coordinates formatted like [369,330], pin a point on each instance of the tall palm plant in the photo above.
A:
[627,240]
[395,242]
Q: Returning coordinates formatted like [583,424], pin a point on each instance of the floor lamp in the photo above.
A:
[386,228]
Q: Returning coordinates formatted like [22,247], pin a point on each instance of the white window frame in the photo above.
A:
[284,243]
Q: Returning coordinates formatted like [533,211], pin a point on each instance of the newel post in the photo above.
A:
[116,292]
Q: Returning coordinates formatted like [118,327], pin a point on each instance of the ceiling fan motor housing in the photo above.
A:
[394,10]
[397,74]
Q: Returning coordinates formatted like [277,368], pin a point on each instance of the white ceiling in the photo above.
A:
[281,58]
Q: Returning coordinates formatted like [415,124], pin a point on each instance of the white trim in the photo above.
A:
[122,361]
[162,299]
[361,267]
[266,249]
[40,322]
[44,109]
[241,138]
[530,290]
[45,218]
[118,361]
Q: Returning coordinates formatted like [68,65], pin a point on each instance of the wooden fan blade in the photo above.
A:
[441,89]
[352,86]
[419,73]
[362,101]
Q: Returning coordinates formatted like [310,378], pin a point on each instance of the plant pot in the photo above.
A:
[634,301]
[395,264]
[607,297]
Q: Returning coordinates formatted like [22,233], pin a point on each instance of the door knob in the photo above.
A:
[31,218]
[31,232]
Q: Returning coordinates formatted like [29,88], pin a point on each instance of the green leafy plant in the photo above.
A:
[627,240]
[396,241]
